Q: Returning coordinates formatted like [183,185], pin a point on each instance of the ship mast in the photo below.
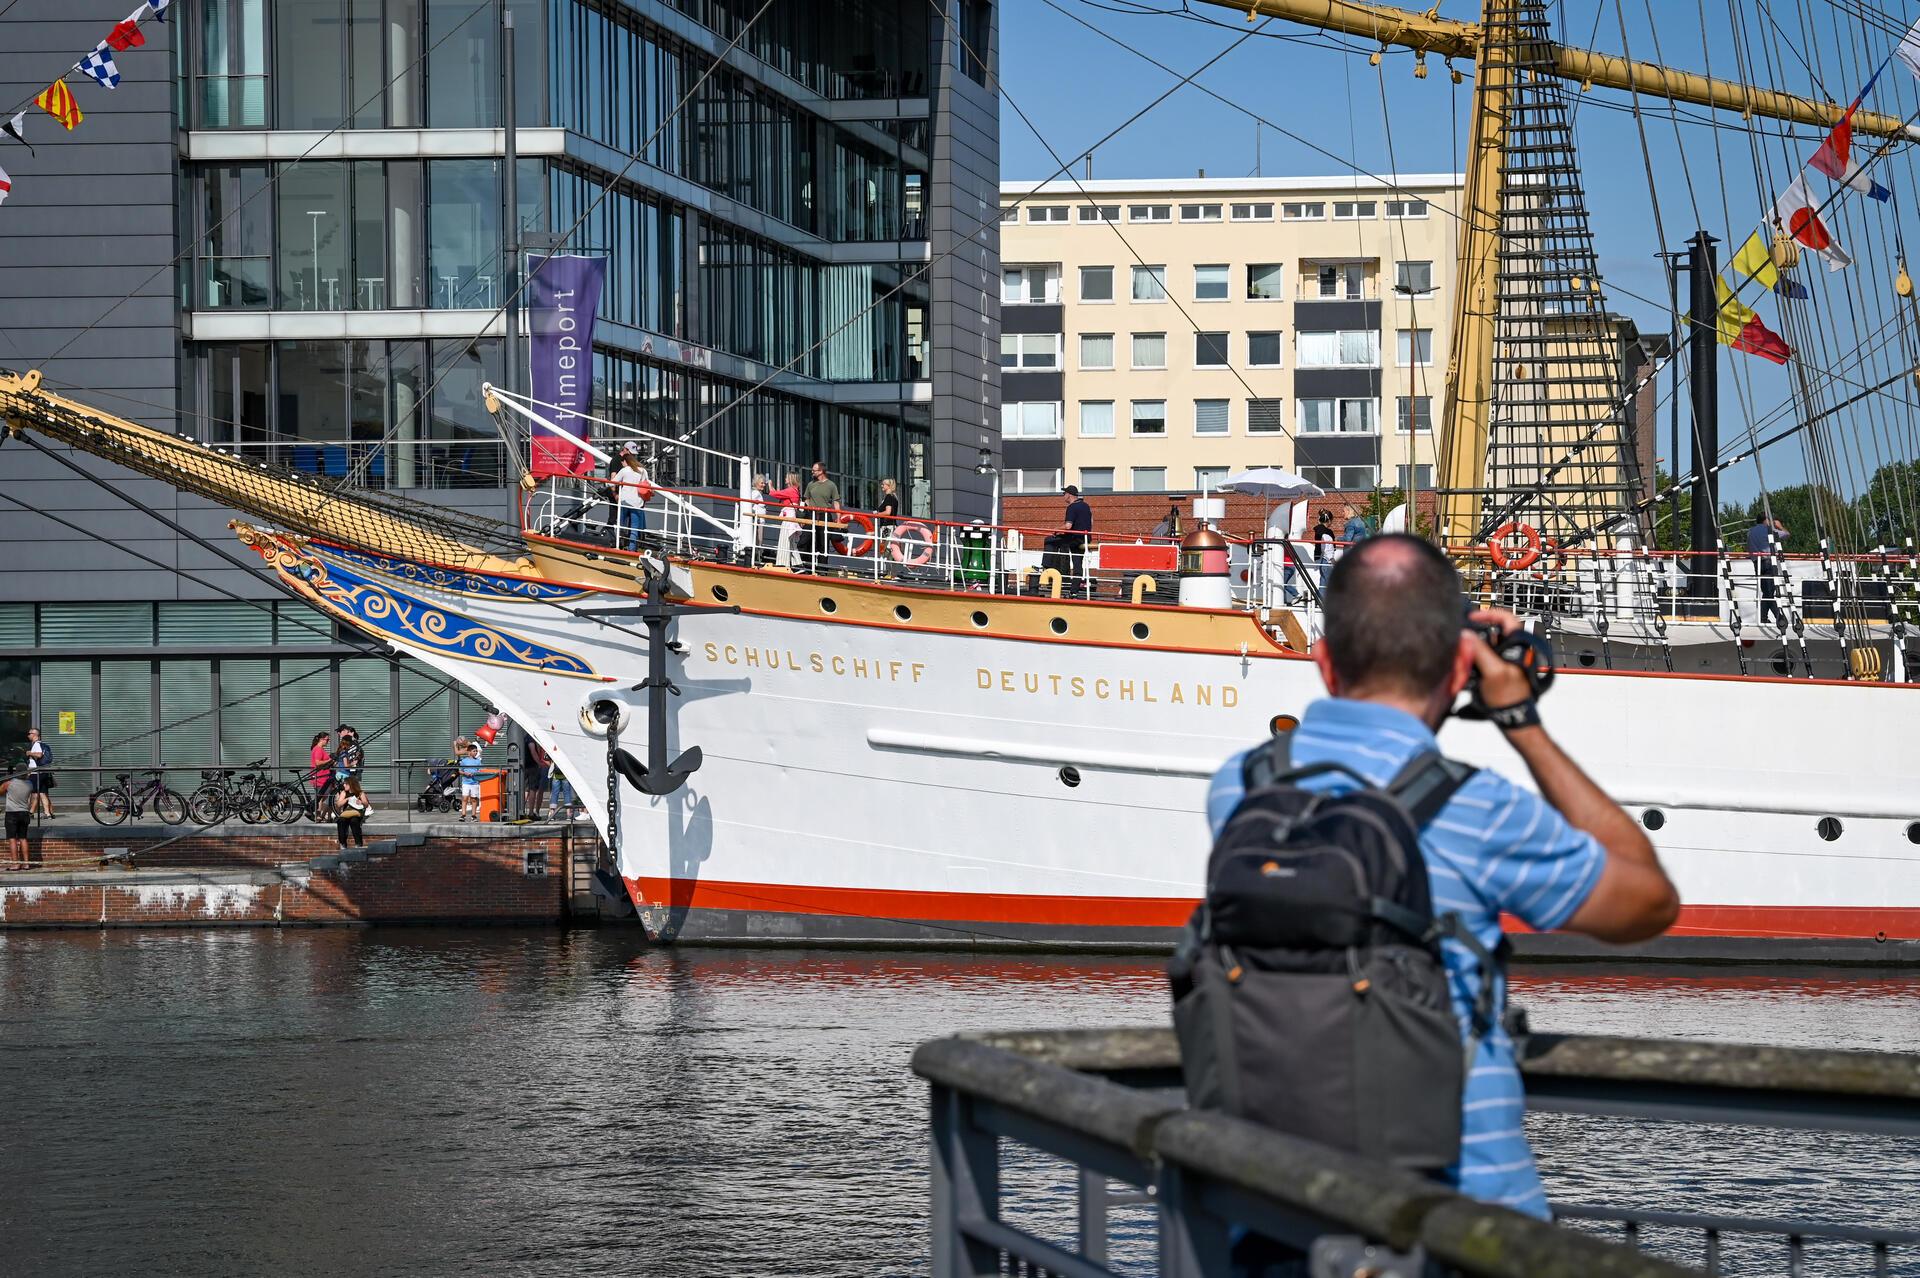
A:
[1470,478]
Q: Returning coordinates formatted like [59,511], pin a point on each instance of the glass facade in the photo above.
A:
[374,235]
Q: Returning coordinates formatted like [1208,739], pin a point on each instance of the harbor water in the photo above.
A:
[498,1102]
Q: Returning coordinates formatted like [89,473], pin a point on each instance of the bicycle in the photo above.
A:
[113,804]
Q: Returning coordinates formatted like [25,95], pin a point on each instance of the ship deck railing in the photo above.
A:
[1073,1153]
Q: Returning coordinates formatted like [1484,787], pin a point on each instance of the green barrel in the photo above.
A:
[976,555]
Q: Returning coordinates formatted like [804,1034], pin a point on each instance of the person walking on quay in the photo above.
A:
[40,778]
[19,806]
[471,770]
[1394,659]
[320,760]
[1764,540]
[560,795]
[350,813]
[822,499]
[348,758]
[635,488]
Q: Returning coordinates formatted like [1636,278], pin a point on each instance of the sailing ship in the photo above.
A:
[942,740]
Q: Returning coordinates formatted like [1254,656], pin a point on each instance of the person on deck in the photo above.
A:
[1323,545]
[1070,539]
[786,500]
[1764,541]
[632,483]
[1357,528]
[1394,659]
[822,499]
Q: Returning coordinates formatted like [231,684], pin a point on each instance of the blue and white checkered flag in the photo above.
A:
[99,64]
[159,9]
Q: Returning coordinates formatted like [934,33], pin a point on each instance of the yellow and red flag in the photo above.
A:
[1743,329]
[57,101]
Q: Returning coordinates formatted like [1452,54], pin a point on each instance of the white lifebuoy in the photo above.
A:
[847,546]
[919,534]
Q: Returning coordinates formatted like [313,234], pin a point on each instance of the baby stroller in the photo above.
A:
[442,790]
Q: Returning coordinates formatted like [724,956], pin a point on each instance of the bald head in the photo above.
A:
[1394,612]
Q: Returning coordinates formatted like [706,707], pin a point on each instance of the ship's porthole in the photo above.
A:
[1829,828]
[1653,818]
[720,593]
[902,613]
[980,620]
[828,605]
[1140,630]
[1782,666]
[1586,658]
[1059,625]
[1913,832]
[1070,776]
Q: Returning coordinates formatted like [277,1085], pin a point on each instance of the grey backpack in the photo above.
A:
[1309,991]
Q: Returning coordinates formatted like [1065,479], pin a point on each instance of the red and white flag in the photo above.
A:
[1798,214]
[6,186]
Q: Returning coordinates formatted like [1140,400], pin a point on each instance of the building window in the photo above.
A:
[1210,283]
[1422,476]
[1149,212]
[1340,280]
[976,29]
[1265,282]
[1149,479]
[236,255]
[1207,478]
[1099,212]
[1343,348]
[1406,208]
[1353,210]
[1211,417]
[1149,350]
[1337,478]
[1263,350]
[1009,212]
[1339,417]
[1199,212]
[1030,350]
[1046,213]
[1030,284]
[1304,211]
[1030,481]
[1149,283]
[1096,283]
[1150,417]
[1096,419]
[1414,413]
[1414,279]
[1030,420]
[1414,347]
[230,70]
[1096,479]
[1210,350]
[1096,350]
[1252,212]
[1264,417]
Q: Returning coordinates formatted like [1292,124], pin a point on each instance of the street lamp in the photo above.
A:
[986,467]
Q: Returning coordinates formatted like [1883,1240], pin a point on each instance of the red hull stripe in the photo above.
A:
[1781,921]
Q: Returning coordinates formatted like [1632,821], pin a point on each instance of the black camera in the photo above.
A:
[1522,648]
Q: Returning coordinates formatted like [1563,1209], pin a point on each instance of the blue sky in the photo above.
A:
[1076,85]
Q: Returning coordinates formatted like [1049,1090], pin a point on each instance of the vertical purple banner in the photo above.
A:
[563,296]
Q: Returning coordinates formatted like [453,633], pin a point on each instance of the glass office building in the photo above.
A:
[312,238]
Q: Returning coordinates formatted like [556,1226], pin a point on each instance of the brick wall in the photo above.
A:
[264,879]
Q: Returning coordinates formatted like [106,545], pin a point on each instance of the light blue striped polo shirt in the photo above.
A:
[1495,848]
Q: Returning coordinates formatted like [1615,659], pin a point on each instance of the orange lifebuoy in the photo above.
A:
[845,543]
[919,534]
[1503,556]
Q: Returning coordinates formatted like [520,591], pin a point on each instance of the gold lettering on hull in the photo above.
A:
[1179,693]
[820,663]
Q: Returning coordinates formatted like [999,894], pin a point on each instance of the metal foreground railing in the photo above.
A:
[1029,1129]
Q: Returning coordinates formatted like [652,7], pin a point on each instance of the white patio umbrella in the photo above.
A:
[1275,484]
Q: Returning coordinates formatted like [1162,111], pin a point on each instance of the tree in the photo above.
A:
[1795,506]
[1889,507]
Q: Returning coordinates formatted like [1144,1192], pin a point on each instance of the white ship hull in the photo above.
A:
[873,778]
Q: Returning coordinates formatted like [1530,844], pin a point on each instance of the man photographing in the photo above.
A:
[1395,658]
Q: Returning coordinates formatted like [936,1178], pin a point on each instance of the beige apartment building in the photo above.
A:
[1159,335]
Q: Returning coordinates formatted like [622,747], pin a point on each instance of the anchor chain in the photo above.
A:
[613,792]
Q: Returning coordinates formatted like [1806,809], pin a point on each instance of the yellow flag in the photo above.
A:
[1734,314]
[57,101]
[1754,261]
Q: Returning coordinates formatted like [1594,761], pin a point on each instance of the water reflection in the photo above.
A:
[506,1101]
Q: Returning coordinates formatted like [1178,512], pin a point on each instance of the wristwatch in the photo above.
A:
[1521,714]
